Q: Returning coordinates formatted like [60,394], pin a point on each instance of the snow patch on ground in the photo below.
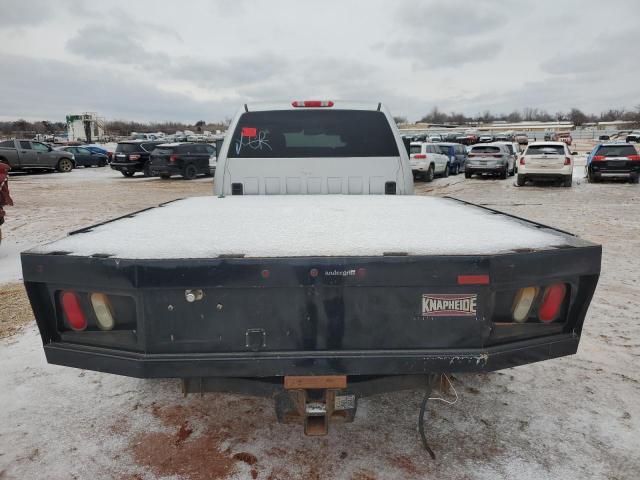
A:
[293,226]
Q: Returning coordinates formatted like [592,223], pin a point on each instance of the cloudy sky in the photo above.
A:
[154,60]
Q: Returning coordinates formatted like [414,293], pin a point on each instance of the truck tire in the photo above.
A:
[503,175]
[467,174]
[591,178]
[189,172]
[566,182]
[446,171]
[520,180]
[146,169]
[127,173]
[456,169]
[65,165]
[428,177]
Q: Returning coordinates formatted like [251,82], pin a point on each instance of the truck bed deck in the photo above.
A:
[308,226]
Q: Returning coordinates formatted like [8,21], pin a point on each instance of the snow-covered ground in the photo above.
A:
[569,418]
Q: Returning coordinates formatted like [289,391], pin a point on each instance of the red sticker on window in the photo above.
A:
[249,132]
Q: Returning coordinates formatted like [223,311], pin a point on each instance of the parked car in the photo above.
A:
[133,156]
[427,161]
[633,137]
[604,138]
[99,149]
[615,159]
[186,159]
[434,137]
[28,155]
[213,159]
[494,159]
[485,139]
[503,138]
[514,150]
[546,161]
[521,138]
[457,156]
[565,137]
[84,157]
[550,137]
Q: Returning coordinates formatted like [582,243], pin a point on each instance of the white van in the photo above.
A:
[313,147]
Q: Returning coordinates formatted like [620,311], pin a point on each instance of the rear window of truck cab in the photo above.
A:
[616,150]
[415,149]
[545,150]
[313,133]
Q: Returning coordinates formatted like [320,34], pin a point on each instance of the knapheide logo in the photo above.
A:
[449,305]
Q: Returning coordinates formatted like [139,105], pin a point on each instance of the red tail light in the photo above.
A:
[633,157]
[521,160]
[599,157]
[567,160]
[174,158]
[473,279]
[312,103]
[551,302]
[73,311]
[420,156]
[134,157]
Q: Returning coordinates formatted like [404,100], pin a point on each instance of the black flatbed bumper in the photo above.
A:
[268,364]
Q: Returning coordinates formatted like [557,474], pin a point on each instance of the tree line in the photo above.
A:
[112,127]
[574,115]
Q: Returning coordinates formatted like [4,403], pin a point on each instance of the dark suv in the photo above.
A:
[186,159]
[133,156]
[609,160]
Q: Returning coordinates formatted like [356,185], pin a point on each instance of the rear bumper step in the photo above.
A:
[284,363]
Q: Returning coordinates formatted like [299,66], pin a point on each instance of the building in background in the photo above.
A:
[86,127]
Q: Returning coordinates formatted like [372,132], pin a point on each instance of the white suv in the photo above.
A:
[427,160]
[546,161]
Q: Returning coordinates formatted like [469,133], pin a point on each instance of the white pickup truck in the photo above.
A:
[312,148]
[311,298]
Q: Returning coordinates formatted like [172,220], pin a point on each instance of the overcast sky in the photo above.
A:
[186,61]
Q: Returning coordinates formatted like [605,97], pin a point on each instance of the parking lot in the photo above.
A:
[573,417]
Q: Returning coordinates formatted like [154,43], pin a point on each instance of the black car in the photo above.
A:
[610,160]
[185,159]
[86,158]
[633,138]
[133,156]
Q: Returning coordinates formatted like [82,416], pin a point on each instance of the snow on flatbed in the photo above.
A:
[298,226]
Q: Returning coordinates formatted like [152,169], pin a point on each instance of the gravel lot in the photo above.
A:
[573,417]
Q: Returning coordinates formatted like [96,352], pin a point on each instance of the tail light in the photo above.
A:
[633,157]
[521,160]
[599,157]
[174,158]
[312,103]
[134,156]
[103,310]
[73,311]
[567,160]
[420,156]
[523,302]
[552,299]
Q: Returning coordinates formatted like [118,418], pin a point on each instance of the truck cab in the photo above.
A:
[313,147]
